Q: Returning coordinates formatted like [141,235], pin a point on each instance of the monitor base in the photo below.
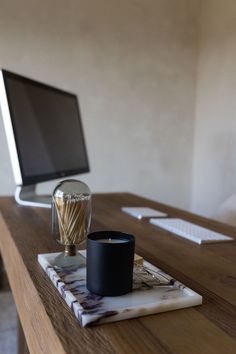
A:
[26,195]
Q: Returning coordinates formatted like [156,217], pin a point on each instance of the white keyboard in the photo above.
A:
[190,231]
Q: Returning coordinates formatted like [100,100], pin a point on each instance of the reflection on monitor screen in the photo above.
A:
[44,133]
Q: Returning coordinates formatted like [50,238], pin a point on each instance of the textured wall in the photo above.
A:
[214,173]
[132,63]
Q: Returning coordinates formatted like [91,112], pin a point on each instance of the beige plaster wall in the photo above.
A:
[214,168]
[133,64]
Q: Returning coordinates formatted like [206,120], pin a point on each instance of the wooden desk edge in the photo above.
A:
[28,302]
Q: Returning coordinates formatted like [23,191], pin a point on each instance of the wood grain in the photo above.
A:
[22,345]
[49,325]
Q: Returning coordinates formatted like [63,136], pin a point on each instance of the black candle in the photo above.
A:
[110,259]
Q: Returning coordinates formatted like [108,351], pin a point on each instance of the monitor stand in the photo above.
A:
[26,195]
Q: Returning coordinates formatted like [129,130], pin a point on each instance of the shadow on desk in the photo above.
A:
[4,284]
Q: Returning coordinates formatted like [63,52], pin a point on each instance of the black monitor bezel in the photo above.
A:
[28,180]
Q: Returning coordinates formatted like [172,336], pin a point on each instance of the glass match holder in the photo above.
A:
[71,216]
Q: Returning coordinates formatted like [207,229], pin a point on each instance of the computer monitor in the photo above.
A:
[44,133]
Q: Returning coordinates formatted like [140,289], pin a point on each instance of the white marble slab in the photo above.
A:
[153,291]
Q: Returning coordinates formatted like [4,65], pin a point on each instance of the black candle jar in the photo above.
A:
[110,259]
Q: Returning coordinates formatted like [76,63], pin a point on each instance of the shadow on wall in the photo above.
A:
[226,213]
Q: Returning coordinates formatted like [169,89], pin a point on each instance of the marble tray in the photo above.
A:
[153,291]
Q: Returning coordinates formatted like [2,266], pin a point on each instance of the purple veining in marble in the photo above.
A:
[153,291]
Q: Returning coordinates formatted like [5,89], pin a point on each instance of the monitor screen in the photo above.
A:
[47,130]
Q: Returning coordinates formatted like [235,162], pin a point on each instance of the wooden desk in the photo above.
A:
[50,326]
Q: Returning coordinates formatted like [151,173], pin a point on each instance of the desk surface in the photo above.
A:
[50,326]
